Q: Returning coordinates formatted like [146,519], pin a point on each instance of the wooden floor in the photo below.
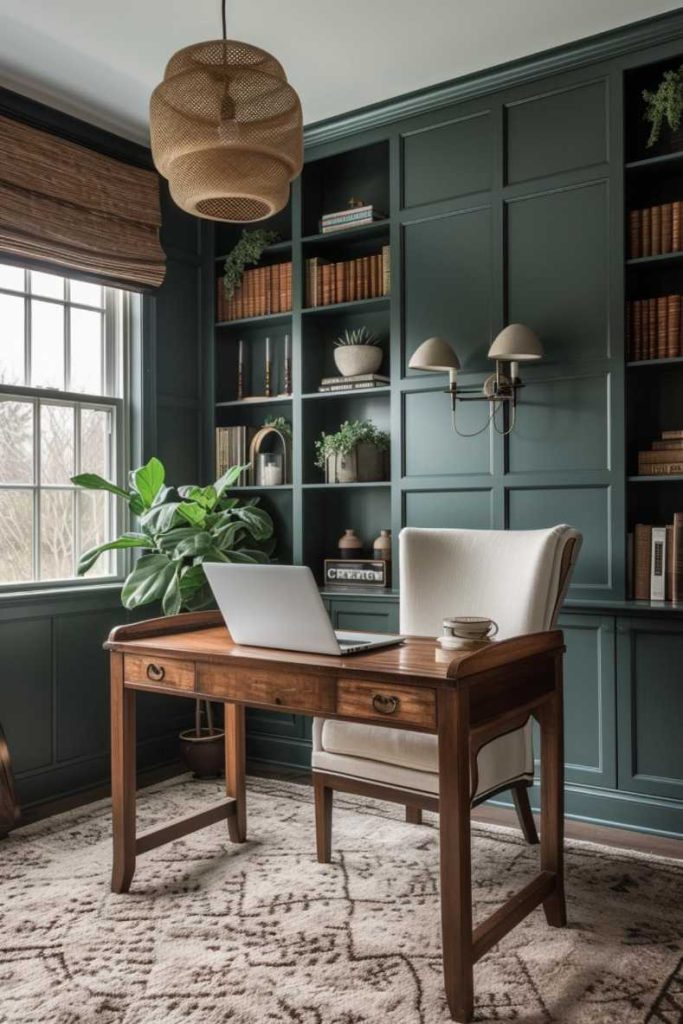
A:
[661,846]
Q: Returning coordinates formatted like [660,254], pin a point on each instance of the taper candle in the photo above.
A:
[268,368]
[288,366]
[240,370]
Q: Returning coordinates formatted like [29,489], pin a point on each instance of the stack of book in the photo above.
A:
[367,277]
[655,230]
[664,457]
[232,449]
[262,291]
[360,381]
[658,561]
[354,217]
[653,328]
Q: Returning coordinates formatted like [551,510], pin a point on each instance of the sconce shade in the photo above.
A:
[227,131]
[434,354]
[516,343]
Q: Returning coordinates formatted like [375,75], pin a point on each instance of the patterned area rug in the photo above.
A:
[218,934]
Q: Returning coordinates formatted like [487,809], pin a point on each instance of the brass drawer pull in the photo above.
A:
[385,705]
[155,672]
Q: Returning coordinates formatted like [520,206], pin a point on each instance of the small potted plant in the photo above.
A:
[178,530]
[357,352]
[665,104]
[356,453]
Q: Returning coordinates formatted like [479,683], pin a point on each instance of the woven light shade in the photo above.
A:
[227,131]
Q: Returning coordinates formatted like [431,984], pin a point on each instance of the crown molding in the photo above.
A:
[663,28]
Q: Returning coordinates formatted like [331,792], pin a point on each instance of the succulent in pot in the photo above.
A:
[357,352]
[356,453]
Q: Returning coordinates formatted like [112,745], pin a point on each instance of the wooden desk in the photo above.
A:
[465,699]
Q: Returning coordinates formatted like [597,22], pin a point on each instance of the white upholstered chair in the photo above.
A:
[518,578]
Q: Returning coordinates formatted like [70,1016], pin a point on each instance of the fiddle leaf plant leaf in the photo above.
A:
[148,580]
[148,481]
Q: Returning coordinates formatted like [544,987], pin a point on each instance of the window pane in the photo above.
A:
[11,277]
[56,535]
[95,431]
[11,339]
[94,509]
[86,351]
[16,536]
[16,442]
[86,294]
[49,285]
[47,345]
[56,444]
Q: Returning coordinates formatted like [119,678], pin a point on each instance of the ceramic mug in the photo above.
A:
[470,627]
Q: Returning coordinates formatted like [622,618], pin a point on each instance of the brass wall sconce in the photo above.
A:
[514,345]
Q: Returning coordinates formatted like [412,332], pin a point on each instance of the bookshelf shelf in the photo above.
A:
[378,229]
[246,403]
[663,260]
[659,478]
[270,318]
[360,306]
[350,393]
[654,163]
[346,487]
[651,363]
[276,249]
[260,488]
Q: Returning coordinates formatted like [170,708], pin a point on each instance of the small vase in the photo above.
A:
[381,546]
[353,360]
[350,546]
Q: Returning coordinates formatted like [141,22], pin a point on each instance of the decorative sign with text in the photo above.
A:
[356,573]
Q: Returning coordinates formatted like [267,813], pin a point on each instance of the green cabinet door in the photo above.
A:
[650,706]
[378,615]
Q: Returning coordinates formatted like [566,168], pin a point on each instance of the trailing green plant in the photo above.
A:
[179,530]
[248,251]
[347,438]
[359,336]
[665,104]
[279,423]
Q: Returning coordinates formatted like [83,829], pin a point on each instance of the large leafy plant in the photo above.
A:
[178,531]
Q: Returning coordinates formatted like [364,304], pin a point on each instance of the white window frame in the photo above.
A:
[115,383]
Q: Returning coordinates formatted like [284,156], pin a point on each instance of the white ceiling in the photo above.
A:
[100,60]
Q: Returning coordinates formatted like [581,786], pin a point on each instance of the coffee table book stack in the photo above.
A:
[664,457]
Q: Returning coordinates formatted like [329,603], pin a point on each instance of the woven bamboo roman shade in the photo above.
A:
[77,210]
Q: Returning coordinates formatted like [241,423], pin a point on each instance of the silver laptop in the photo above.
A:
[279,606]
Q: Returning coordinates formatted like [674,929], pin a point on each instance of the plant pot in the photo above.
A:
[353,360]
[363,465]
[204,754]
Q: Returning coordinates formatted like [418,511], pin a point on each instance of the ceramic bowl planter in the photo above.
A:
[362,465]
[353,360]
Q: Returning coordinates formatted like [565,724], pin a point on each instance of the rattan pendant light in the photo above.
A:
[227,130]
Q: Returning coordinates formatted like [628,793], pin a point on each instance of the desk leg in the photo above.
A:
[550,719]
[455,851]
[235,756]
[122,777]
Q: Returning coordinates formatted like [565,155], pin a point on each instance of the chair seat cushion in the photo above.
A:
[400,757]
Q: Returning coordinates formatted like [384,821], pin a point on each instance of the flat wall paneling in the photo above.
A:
[374,616]
[430,445]
[650,701]
[26,696]
[557,131]
[448,160]
[461,509]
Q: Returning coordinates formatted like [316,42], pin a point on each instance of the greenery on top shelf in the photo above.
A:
[347,438]
[665,104]
[359,336]
[179,529]
[248,251]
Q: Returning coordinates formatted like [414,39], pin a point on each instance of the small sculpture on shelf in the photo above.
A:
[358,353]
[353,569]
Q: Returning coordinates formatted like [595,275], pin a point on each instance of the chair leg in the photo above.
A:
[413,815]
[520,797]
[323,819]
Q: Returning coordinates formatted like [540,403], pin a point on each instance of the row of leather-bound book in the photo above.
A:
[655,230]
[657,573]
[653,328]
[367,277]
[262,291]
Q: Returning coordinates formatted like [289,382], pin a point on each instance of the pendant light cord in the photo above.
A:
[225,21]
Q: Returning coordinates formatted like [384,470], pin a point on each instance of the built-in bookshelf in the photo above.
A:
[653,191]
[311,514]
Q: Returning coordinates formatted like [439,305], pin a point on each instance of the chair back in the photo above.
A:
[519,578]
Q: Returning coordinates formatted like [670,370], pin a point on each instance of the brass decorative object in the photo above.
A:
[227,131]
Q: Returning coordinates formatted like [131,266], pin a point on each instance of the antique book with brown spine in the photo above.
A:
[386,270]
[667,227]
[673,331]
[656,230]
[275,303]
[637,329]
[652,328]
[646,231]
[677,557]
[677,226]
[340,290]
[669,563]
[642,546]
[662,327]
[634,246]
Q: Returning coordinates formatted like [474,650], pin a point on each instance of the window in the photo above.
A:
[62,358]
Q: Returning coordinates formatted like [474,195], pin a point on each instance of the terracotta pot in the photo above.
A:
[352,360]
[363,465]
[204,754]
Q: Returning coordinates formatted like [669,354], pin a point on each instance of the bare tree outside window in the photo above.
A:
[60,414]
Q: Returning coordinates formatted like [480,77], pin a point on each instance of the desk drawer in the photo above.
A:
[166,672]
[385,702]
[289,691]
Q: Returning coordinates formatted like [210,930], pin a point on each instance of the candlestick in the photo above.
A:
[240,370]
[267,390]
[288,367]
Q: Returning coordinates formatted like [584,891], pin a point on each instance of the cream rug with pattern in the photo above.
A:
[218,934]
